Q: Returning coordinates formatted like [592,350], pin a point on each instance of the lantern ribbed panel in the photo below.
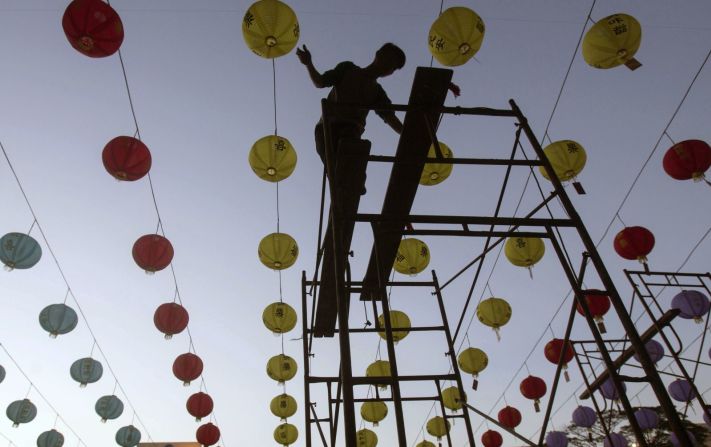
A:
[555,348]
[21,412]
[688,160]
[399,323]
[286,434]
[567,157]
[270,28]
[58,319]
[199,405]
[472,361]
[281,368]
[509,417]
[208,434]
[612,41]
[187,367]
[437,426]
[456,36]
[283,406]
[109,407]
[19,251]
[452,398]
[492,438]
[413,256]
[366,438]
[584,417]
[494,312]
[2,374]
[152,252]
[692,305]
[279,317]
[128,436]
[647,418]
[171,319]
[86,370]
[93,28]
[435,173]
[278,251]
[272,158]
[608,390]
[681,390]
[524,251]
[654,349]
[51,438]
[634,243]
[556,439]
[615,440]
[126,158]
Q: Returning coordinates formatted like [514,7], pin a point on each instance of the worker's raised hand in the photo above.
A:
[304,55]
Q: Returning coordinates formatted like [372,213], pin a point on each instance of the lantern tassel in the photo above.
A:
[530,272]
[590,436]
[566,375]
[579,188]
[168,336]
[537,405]
[601,326]
[475,384]
[498,334]
[103,420]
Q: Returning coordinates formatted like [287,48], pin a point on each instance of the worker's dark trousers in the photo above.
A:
[338,130]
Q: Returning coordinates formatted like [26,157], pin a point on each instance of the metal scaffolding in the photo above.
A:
[327,297]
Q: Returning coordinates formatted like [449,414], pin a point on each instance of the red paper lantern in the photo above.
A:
[93,27]
[509,417]
[688,159]
[553,351]
[126,158]
[492,438]
[171,319]
[533,388]
[200,405]
[152,252]
[187,367]
[599,304]
[208,434]
[634,243]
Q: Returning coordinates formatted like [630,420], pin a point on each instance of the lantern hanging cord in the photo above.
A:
[422,429]
[567,73]
[46,401]
[441,6]
[7,439]
[656,146]
[62,274]
[275,96]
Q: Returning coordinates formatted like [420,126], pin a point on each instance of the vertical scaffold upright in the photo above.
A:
[327,297]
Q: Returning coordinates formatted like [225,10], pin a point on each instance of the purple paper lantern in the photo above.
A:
[647,418]
[556,439]
[608,390]
[615,440]
[692,305]
[707,416]
[584,417]
[655,351]
[681,390]
[675,441]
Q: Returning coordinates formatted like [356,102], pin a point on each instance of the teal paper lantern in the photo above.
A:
[2,373]
[109,407]
[19,251]
[21,412]
[51,438]
[58,319]
[128,436]
[86,370]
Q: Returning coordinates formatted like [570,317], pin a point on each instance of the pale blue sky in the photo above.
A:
[202,98]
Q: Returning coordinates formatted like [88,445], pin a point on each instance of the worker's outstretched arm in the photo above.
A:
[304,56]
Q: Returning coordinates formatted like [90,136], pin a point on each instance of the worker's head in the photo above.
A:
[388,59]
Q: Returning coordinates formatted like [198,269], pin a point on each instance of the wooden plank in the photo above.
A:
[429,90]
[350,172]
[628,353]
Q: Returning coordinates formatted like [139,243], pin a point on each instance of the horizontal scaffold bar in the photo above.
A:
[469,220]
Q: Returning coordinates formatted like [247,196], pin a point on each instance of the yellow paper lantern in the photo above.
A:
[524,251]
[567,157]
[272,158]
[373,412]
[473,361]
[613,41]
[270,28]
[436,173]
[283,406]
[494,312]
[456,36]
[278,251]
[379,368]
[452,398]
[286,434]
[425,443]
[399,323]
[279,318]
[366,438]
[281,368]
[412,257]
[438,427]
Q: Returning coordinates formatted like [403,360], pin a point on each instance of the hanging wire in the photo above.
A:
[39,393]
